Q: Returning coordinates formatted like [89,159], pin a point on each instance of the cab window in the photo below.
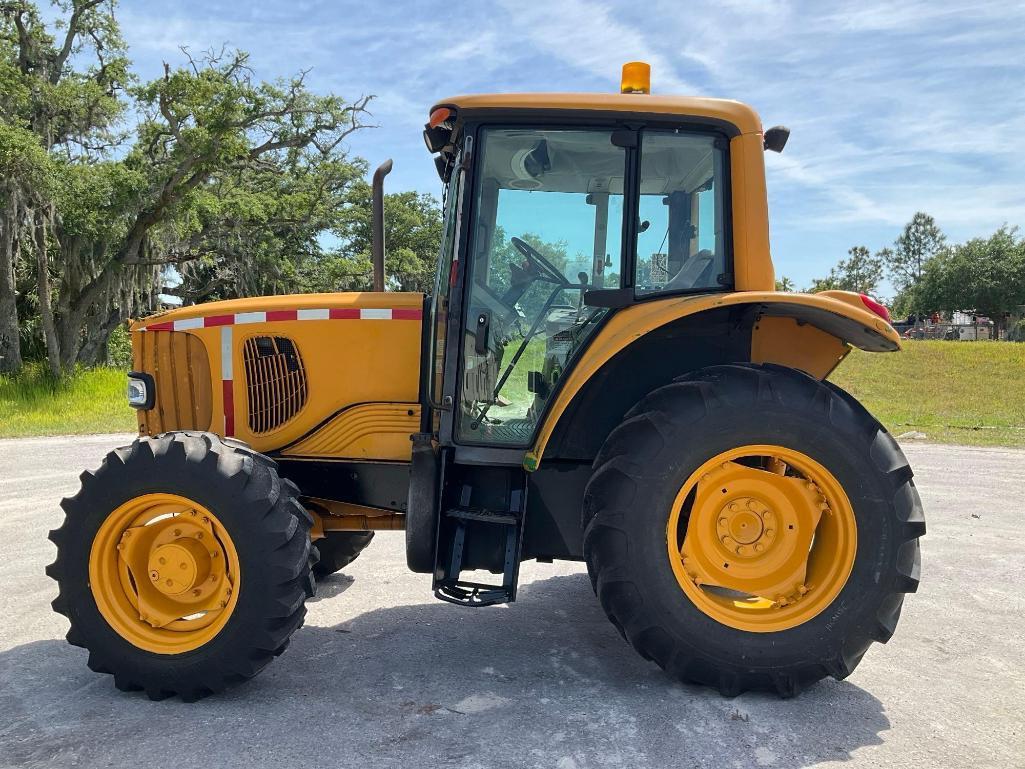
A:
[547,225]
[680,237]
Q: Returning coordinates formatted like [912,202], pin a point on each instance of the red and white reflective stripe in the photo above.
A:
[324,313]
[228,380]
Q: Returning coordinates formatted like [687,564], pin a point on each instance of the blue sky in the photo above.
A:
[893,106]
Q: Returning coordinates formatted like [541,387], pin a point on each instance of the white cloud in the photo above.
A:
[895,107]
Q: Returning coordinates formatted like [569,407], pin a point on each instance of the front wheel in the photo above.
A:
[183,564]
[748,527]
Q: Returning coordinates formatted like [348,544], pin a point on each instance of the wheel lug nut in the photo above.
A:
[177,532]
[759,547]
[197,592]
[163,561]
[154,575]
[769,532]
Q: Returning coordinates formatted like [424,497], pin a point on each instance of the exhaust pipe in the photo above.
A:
[377,223]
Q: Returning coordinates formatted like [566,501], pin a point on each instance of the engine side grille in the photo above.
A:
[275,382]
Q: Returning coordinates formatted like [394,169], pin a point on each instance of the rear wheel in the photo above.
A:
[748,527]
[338,549]
[183,565]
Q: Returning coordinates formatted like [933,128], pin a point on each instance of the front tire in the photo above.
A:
[183,565]
[697,480]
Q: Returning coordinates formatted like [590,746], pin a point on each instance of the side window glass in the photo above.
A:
[442,286]
[680,240]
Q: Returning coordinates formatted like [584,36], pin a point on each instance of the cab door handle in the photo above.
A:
[482,329]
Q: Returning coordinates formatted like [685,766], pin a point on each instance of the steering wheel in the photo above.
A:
[540,261]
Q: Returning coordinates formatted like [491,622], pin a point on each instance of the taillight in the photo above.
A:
[876,307]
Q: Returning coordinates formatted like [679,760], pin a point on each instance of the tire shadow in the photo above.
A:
[543,682]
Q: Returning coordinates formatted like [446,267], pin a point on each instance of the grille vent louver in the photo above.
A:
[275,382]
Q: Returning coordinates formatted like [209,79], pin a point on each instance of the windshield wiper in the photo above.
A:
[542,315]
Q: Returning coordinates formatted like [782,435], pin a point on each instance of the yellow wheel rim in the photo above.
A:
[164,573]
[762,538]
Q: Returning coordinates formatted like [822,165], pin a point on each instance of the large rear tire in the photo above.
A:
[681,540]
[183,565]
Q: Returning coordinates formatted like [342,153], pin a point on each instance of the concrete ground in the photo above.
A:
[383,675]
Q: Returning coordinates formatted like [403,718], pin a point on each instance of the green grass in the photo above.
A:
[954,392]
[32,402]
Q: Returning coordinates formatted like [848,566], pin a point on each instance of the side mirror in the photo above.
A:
[775,138]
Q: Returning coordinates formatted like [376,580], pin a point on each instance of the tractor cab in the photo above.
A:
[558,210]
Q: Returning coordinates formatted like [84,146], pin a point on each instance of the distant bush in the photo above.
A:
[119,348]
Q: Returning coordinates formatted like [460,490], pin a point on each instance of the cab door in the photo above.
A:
[547,225]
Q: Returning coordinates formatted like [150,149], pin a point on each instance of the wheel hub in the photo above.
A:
[741,520]
[750,531]
[179,566]
[177,569]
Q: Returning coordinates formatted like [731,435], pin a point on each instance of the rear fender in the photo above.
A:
[809,332]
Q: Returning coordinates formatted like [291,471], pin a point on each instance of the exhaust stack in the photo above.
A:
[377,223]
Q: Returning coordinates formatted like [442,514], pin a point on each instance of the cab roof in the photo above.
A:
[727,111]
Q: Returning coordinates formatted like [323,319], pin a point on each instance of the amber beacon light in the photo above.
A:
[636,77]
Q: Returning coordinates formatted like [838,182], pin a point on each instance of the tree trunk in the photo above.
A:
[10,339]
[94,349]
[53,355]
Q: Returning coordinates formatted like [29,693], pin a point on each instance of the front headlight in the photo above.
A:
[141,393]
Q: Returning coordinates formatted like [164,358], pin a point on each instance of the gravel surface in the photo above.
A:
[384,675]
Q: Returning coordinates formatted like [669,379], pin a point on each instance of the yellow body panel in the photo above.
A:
[365,431]
[752,262]
[180,367]
[356,348]
[798,345]
[867,330]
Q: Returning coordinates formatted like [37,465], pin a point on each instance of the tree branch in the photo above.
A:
[69,39]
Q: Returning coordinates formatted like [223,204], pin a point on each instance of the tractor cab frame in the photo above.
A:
[595,234]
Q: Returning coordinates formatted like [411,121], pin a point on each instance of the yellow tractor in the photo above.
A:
[602,373]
